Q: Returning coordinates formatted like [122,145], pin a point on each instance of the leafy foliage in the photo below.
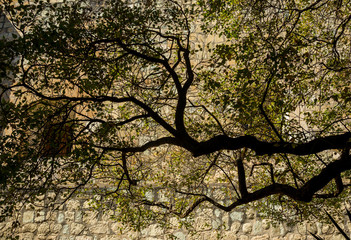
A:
[168,106]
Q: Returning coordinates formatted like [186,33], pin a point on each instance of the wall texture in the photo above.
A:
[76,220]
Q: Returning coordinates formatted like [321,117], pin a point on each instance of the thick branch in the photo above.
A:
[222,142]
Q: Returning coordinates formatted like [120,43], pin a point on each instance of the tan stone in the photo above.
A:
[106,216]
[84,238]
[152,230]
[251,213]
[88,204]
[203,224]
[247,228]
[73,205]
[28,216]
[69,216]
[44,228]
[327,229]
[90,217]
[111,238]
[55,227]
[44,237]
[263,237]
[40,216]
[296,237]
[311,227]
[51,216]
[266,224]
[117,228]
[26,236]
[99,228]
[29,227]
[243,237]
[230,236]
[235,227]
[76,228]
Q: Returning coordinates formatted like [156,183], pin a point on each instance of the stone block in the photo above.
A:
[65,229]
[235,227]
[73,205]
[60,217]
[28,217]
[106,216]
[40,216]
[257,228]
[203,224]
[230,236]
[78,217]
[29,227]
[44,228]
[69,216]
[90,217]
[26,236]
[152,230]
[266,224]
[237,216]
[250,213]
[84,238]
[216,223]
[55,227]
[263,237]
[243,237]
[179,236]
[99,228]
[76,228]
[247,228]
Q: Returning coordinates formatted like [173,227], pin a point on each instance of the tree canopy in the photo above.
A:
[164,106]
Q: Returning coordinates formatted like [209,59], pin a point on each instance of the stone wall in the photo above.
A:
[76,220]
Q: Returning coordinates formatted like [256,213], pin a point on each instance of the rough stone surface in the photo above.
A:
[28,216]
[237,216]
[74,222]
[247,228]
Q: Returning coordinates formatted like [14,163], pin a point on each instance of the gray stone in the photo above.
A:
[237,216]
[78,216]
[180,236]
[65,229]
[216,224]
[60,217]
[257,228]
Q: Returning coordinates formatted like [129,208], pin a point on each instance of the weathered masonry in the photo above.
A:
[77,219]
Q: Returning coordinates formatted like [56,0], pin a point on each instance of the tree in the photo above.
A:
[217,102]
